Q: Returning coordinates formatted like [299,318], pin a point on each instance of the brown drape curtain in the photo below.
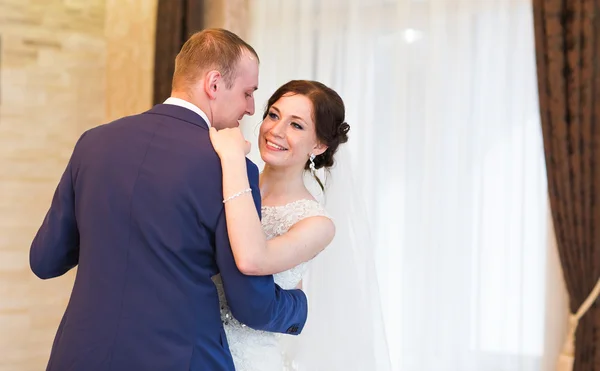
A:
[567,37]
[176,21]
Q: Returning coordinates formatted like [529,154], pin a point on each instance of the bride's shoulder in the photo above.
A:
[309,207]
[297,209]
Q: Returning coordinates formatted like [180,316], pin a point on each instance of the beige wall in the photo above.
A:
[65,66]
[130,31]
[229,14]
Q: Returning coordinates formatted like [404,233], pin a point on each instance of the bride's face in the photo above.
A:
[288,135]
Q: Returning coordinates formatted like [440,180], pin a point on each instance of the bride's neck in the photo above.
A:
[279,186]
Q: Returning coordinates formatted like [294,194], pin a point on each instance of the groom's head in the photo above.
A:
[218,72]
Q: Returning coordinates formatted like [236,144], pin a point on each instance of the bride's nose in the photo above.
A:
[278,130]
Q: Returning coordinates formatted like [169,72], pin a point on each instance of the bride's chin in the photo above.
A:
[266,158]
[272,162]
[269,162]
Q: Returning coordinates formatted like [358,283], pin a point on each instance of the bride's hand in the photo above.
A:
[229,142]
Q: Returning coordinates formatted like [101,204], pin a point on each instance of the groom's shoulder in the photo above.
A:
[116,123]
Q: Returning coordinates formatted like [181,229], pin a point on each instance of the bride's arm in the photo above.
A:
[253,254]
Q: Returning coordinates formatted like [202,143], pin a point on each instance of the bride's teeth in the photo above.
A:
[276,146]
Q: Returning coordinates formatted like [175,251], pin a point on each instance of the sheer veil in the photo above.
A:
[345,329]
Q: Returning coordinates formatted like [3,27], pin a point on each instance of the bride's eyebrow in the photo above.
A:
[292,116]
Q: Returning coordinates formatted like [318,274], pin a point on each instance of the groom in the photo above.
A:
[139,210]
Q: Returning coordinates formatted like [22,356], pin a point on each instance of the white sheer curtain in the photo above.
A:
[441,96]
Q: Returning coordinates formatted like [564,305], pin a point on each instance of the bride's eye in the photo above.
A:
[273,116]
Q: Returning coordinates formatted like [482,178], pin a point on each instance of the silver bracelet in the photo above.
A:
[237,194]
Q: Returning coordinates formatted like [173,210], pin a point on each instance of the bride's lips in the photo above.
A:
[274,147]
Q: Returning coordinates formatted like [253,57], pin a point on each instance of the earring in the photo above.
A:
[312,163]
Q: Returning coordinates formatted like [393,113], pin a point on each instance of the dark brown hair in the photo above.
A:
[210,49]
[328,115]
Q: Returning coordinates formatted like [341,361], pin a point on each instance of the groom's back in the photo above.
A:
[147,199]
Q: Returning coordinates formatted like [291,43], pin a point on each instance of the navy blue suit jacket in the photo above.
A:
[139,210]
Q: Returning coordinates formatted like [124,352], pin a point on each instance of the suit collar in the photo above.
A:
[185,104]
[179,113]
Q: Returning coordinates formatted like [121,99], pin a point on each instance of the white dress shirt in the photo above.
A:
[185,104]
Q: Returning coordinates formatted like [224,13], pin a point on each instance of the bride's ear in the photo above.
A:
[319,148]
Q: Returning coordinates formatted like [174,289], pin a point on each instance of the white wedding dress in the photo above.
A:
[254,350]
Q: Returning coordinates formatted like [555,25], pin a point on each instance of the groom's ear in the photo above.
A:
[211,83]
[319,149]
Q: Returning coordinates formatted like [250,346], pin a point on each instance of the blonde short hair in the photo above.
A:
[210,49]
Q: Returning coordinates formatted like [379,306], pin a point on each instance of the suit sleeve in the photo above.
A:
[256,300]
[55,248]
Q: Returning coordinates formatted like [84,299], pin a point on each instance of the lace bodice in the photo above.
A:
[254,350]
[276,220]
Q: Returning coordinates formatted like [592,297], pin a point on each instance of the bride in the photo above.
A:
[302,128]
